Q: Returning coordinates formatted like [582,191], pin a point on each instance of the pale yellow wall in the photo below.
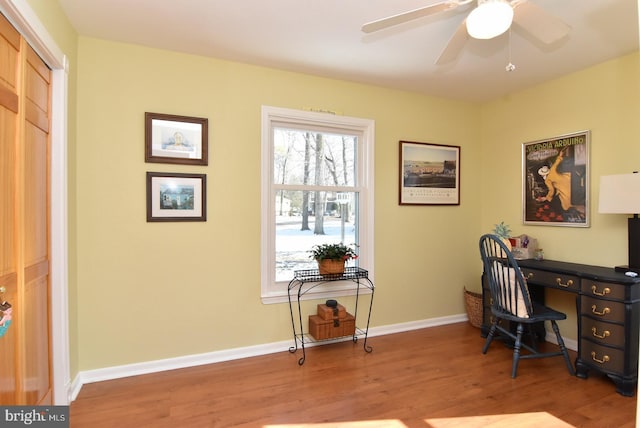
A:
[604,99]
[149,291]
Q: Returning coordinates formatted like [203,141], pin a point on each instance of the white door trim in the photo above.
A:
[24,19]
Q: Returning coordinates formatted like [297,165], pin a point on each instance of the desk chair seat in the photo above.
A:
[510,301]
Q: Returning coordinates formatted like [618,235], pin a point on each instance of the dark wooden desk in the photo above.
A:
[608,313]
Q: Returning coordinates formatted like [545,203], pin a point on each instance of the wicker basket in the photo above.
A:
[330,267]
[473,304]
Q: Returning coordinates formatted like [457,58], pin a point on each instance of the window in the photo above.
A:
[317,187]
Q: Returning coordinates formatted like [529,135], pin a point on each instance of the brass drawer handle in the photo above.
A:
[604,334]
[568,284]
[604,312]
[529,275]
[604,292]
[604,359]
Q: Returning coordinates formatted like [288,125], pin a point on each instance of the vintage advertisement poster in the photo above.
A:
[556,181]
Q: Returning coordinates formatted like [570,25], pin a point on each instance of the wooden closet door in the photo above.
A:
[10,54]
[25,357]
[36,383]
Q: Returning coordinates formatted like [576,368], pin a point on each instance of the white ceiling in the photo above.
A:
[324,37]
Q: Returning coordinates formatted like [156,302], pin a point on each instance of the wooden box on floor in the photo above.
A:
[332,328]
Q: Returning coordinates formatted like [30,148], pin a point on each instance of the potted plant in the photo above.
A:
[331,257]
[503,232]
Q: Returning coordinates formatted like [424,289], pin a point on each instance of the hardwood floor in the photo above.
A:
[409,378]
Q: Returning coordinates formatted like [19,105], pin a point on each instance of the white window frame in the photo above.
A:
[276,292]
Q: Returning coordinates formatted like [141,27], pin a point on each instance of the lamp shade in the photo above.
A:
[619,194]
[490,19]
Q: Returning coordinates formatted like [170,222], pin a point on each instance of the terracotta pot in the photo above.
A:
[330,267]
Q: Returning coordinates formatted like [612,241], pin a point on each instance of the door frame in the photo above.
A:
[24,19]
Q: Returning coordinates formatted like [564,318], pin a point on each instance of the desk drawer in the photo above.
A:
[602,357]
[603,332]
[552,279]
[602,309]
[605,290]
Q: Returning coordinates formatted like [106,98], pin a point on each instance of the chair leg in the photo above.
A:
[563,348]
[492,333]
[516,350]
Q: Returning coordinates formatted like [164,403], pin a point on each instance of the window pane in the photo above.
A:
[307,218]
[313,158]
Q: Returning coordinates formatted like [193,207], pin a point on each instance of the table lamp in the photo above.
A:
[620,194]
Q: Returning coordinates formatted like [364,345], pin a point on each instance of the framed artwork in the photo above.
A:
[429,174]
[176,197]
[176,139]
[556,181]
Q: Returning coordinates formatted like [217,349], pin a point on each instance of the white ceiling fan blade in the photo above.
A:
[401,18]
[454,45]
[539,23]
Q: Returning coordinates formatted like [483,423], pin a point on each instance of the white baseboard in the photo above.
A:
[109,373]
[569,343]
[90,376]
[116,372]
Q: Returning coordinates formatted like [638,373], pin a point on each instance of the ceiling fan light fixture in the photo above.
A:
[490,19]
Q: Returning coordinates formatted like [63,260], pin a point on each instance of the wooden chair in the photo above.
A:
[510,301]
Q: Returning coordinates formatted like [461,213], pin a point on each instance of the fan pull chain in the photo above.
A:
[510,67]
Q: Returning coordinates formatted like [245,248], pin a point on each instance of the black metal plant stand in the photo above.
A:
[306,280]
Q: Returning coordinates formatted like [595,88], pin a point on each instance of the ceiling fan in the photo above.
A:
[489,19]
